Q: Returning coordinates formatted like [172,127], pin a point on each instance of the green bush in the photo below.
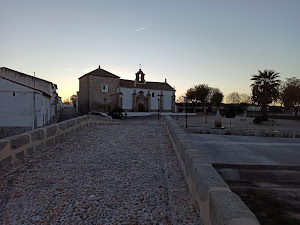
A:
[259,119]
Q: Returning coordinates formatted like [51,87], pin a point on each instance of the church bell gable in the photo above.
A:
[140,77]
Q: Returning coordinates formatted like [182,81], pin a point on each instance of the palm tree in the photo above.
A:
[265,88]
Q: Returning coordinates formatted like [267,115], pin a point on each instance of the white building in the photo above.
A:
[26,102]
[101,90]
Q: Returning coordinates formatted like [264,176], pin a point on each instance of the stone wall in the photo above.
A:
[97,97]
[17,147]
[83,95]
[212,198]
[10,131]
[243,132]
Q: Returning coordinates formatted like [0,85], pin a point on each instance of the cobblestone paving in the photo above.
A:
[122,174]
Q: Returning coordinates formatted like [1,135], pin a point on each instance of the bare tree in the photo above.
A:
[233,98]
[290,93]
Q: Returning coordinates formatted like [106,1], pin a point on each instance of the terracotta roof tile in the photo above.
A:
[100,72]
[147,85]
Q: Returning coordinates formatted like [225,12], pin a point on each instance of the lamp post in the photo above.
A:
[158,108]
[205,110]
[177,110]
[185,108]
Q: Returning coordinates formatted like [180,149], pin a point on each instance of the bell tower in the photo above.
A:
[140,76]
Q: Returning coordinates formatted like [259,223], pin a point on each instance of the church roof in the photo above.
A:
[148,85]
[100,72]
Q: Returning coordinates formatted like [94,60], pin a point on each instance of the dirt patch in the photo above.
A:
[272,207]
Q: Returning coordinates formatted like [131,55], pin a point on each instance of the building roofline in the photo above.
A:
[44,93]
[24,74]
[111,75]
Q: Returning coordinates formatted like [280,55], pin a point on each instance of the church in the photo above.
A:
[100,90]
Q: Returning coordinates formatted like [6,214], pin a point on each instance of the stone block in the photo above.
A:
[78,120]
[5,161]
[40,147]
[178,138]
[29,151]
[51,130]
[37,134]
[62,126]
[3,144]
[192,157]
[205,178]
[183,146]
[175,132]
[70,123]
[20,155]
[18,141]
[227,208]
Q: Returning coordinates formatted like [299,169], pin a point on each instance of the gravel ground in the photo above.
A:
[120,174]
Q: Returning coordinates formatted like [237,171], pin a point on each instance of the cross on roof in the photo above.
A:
[140,66]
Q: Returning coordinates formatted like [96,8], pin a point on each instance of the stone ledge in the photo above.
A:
[19,146]
[210,195]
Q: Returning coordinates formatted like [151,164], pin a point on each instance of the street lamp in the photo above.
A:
[205,113]
[177,109]
[158,108]
[185,108]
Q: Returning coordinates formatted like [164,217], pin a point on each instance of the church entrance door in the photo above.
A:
[141,108]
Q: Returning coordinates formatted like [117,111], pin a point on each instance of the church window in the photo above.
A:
[104,88]
[153,95]
[14,93]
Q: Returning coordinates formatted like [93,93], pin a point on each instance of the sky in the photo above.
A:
[215,42]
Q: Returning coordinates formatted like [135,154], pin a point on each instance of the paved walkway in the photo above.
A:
[238,123]
[122,174]
[248,150]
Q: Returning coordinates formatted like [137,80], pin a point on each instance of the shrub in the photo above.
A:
[259,119]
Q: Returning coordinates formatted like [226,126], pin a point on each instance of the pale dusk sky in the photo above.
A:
[219,43]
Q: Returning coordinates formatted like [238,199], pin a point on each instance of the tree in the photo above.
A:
[290,93]
[67,101]
[216,96]
[244,98]
[233,98]
[230,112]
[199,93]
[265,88]
[73,100]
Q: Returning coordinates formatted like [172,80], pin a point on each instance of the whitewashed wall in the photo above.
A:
[127,98]
[31,81]
[16,105]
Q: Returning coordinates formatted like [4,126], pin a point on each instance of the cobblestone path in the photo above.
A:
[121,174]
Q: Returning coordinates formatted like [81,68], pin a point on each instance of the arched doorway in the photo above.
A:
[141,108]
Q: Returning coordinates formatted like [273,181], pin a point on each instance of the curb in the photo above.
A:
[213,200]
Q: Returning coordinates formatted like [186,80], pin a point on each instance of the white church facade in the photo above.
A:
[101,90]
